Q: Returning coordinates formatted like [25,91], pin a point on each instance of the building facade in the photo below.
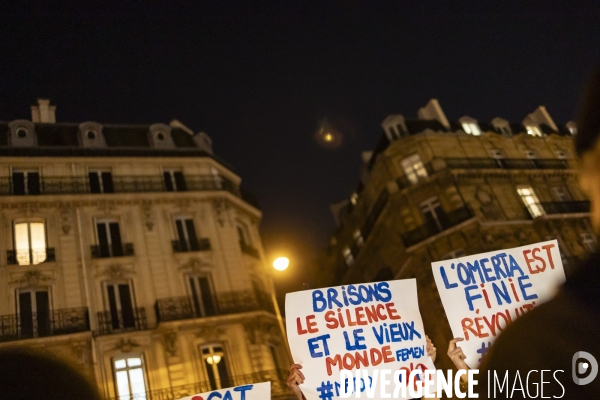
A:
[435,189]
[133,252]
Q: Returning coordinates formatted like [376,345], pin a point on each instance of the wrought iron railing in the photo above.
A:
[276,377]
[507,163]
[30,256]
[565,207]
[445,221]
[117,321]
[113,250]
[249,249]
[187,307]
[182,246]
[39,324]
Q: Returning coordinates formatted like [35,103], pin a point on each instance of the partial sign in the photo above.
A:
[483,293]
[369,327]
[253,391]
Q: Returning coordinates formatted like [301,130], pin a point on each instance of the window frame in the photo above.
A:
[224,356]
[28,222]
[531,207]
[125,357]
[414,175]
[26,171]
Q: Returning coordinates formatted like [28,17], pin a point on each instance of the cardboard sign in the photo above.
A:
[369,327]
[253,391]
[483,293]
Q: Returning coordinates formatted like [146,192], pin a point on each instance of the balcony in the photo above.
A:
[124,250]
[506,163]
[30,256]
[276,377]
[183,246]
[429,229]
[248,249]
[53,323]
[566,207]
[117,321]
[186,307]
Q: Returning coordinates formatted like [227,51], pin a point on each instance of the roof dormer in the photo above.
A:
[204,142]
[159,136]
[571,127]
[502,126]
[394,127]
[90,135]
[22,133]
[470,125]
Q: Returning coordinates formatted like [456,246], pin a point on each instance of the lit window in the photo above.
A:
[533,130]
[414,168]
[531,201]
[30,242]
[358,239]
[215,363]
[354,198]
[348,256]
[129,377]
[471,128]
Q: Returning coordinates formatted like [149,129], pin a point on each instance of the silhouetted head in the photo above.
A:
[587,144]
[25,375]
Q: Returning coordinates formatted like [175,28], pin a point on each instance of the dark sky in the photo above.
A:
[259,77]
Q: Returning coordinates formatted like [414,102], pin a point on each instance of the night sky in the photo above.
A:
[260,77]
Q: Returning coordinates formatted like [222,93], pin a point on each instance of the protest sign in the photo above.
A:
[253,391]
[369,327]
[484,292]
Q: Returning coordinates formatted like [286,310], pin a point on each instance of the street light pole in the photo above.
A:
[279,264]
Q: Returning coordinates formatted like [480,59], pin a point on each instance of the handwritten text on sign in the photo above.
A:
[366,326]
[484,292]
[255,391]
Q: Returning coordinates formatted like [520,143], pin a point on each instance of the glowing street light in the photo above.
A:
[281,263]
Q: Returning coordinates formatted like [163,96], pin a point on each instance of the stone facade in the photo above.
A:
[431,191]
[150,251]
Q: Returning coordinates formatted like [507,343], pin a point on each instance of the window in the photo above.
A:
[533,130]
[496,153]
[433,213]
[413,168]
[471,128]
[91,134]
[358,239]
[588,241]
[202,297]
[30,242]
[130,377]
[186,233]
[561,154]
[243,235]
[348,256]
[101,181]
[21,132]
[120,305]
[561,193]
[215,363]
[531,201]
[216,178]
[160,136]
[174,180]
[109,238]
[34,313]
[25,182]
[530,154]
[354,198]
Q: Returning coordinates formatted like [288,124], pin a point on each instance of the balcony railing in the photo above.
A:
[117,321]
[566,207]
[187,307]
[507,163]
[248,249]
[52,323]
[276,377]
[446,221]
[30,256]
[182,246]
[124,250]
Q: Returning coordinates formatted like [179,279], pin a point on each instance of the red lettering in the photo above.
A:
[479,328]
[380,307]
[301,331]
[371,314]
[387,354]
[311,323]
[543,267]
[332,323]
[491,325]
[467,325]
[362,358]
[547,248]
[528,260]
[360,317]
[349,318]
[392,311]
[376,357]
[329,361]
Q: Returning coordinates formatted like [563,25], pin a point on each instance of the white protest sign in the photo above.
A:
[253,391]
[484,292]
[369,327]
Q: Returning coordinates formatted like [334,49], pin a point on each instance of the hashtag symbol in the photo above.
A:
[326,390]
[484,349]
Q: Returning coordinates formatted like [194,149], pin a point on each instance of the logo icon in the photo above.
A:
[584,363]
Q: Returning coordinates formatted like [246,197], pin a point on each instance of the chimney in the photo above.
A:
[43,112]
[432,110]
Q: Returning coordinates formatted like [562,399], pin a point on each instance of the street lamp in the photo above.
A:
[281,263]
